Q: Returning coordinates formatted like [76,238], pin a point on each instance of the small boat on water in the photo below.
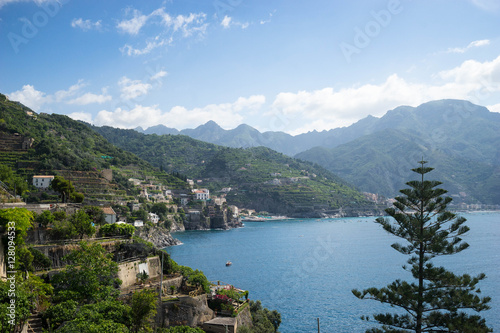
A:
[228,263]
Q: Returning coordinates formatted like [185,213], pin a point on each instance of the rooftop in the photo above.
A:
[108,211]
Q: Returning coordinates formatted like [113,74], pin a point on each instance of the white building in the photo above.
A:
[154,218]
[135,181]
[184,199]
[202,194]
[42,181]
[235,211]
[138,223]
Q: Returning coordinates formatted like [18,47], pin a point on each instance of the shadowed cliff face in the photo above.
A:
[160,237]
[190,311]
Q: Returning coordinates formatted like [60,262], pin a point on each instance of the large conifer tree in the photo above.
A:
[436,300]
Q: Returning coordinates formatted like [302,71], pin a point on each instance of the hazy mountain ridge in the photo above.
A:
[455,131]
[459,139]
[438,120]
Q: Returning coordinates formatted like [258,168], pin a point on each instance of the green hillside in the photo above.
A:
[59,145]
[381,163]
[259,178]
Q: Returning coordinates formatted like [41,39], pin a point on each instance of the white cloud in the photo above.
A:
[474,80]
[89,98]
[131,89]
[227,115]
[226,22]
[328,108]
[150,46]
[5,2]
[64,94]
[476,43]
[35,99]
[187,24]
[494,108]
[30,97]
[269,19]
[86,24]
[157,76]
[190,24]
[166,27]
[83,116]
[133,26]
[121,118]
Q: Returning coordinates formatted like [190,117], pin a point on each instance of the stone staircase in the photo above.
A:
[35,323]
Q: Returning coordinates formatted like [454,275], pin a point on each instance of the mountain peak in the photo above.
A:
[244,127]
[210,124]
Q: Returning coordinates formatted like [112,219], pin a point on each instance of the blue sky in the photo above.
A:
[292,66]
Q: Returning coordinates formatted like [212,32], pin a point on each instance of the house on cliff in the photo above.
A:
[42,182]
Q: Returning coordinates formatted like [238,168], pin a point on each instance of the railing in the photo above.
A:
[6,189]
[74,241]
[123,261]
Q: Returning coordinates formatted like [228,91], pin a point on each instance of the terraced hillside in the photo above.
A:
[258,178]
[55,144]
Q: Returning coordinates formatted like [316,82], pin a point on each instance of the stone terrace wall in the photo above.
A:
[127,272]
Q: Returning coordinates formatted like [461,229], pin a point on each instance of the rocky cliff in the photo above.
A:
[159,236]
[185,310]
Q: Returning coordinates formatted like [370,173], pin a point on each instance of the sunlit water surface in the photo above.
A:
[306,269]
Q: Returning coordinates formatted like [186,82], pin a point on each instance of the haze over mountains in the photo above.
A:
[460,139]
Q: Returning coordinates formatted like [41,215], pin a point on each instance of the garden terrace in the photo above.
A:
[12,158]
[92,185]
[11,142]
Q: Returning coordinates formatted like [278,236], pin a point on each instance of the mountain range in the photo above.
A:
[257,177]
[99,161]
[460,139]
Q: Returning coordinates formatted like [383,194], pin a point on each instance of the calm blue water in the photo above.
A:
[306,268]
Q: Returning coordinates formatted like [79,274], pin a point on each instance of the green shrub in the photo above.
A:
[232,293]
[46,218]
[115,229]
[59,313]
[40,259]
[198,278]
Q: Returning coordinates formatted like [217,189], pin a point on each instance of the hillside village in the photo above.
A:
[130,224]
[179,209]
[133,232]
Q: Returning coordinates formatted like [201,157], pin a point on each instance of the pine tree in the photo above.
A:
[436,300]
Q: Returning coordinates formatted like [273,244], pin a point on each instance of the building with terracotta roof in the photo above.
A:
[42,182]
[109,215]
[203,194]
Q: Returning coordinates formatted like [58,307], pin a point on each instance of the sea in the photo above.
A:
[306,268]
